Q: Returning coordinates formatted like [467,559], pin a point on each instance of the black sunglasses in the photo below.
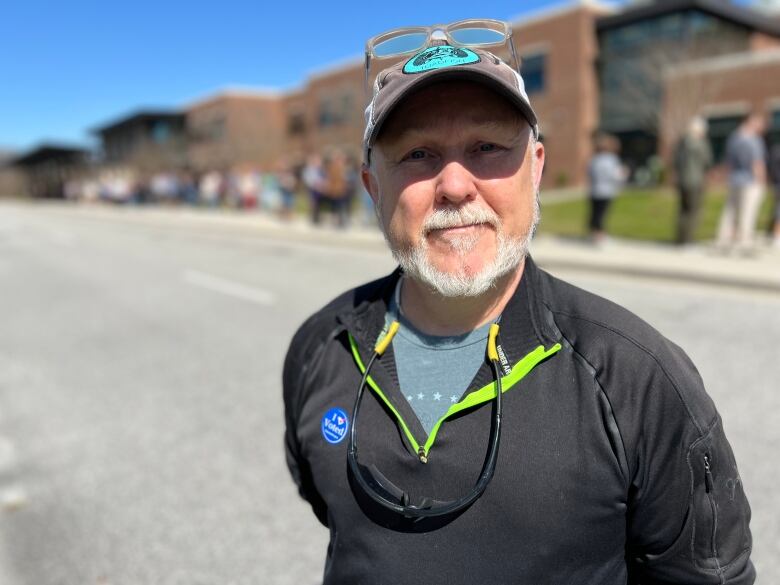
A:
[387,495]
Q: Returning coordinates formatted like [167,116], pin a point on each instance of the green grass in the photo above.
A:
[641,214]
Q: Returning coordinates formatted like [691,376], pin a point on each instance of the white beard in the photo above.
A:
[510,252]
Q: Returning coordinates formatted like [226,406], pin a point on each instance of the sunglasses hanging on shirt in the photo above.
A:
[392,498]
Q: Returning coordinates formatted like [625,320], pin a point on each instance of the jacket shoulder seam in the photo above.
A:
[599,387]
[647,352]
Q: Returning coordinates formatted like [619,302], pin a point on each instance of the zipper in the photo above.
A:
[709,486]
[480,396]
[422,454]
[707,474]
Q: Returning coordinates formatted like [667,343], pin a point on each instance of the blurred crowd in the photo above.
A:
[327,186]
[330,183]
[752,165]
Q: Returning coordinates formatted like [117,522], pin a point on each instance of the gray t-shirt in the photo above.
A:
[742,152]
[434,371]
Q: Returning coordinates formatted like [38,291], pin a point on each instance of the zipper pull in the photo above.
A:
[421,454]
[707,474]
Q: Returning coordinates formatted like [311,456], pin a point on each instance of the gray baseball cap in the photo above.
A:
[442,63]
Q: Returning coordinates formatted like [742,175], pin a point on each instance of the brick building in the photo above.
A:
[48,168]
[333,101]
[235,129]
[644,47]
[558,53]
[146,141]
[590,67]
[12,179]
[732,86]
[558,50]
[638,72]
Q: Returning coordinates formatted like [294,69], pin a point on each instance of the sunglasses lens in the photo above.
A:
[475,36]
[398,45]
[392,47]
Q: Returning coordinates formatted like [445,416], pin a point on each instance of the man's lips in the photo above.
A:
[459,229]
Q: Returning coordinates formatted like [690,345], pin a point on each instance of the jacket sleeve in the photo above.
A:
[293,378]
[687,515]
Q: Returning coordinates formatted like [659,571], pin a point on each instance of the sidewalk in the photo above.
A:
[698,264]
[701,263]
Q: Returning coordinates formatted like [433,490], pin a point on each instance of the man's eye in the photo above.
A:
[487,147]
[416,155]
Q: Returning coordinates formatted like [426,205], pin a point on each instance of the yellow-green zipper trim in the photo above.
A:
[484,394]
[375,386]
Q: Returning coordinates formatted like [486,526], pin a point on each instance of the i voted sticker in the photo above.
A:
[335,425]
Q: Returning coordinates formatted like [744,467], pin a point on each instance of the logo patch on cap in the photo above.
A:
[439,57]
[334,425]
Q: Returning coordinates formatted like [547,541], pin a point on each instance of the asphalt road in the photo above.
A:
[140,407]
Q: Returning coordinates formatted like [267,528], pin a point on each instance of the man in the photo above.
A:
[610,466]
[692,158]
[773,168]
[746,161]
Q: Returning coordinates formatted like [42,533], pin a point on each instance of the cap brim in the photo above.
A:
[463,73]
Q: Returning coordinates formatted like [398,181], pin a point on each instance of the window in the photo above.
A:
[719,128]
[330,114]
[161,132]
[773,128]
[296,124]
[645,32]
[532,68]
[336,110]
[774,121]
[685,28]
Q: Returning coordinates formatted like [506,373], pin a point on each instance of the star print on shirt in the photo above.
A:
[453,398]
[421,396]
[410,398]
[437,396]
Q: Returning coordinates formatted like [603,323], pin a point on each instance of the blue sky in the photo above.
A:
[66,67]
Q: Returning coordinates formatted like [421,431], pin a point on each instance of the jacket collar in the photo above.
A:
[524,322]
[522,330]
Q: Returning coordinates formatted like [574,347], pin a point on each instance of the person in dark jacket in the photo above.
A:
[773,168]
[692,158]
[470,418]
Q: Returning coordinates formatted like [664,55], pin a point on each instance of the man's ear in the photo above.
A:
[369,182]
[538,167]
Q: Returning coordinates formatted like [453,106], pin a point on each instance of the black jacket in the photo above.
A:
[613,466]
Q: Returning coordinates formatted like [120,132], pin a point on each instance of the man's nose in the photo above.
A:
[455,183]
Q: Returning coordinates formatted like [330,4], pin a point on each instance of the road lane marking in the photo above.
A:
[12,497]
[7,454]
[228,287]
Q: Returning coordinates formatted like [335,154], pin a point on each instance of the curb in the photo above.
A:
[620,257]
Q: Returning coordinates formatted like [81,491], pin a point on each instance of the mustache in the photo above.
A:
[459,217]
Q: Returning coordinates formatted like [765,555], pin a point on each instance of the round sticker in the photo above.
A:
[335,425]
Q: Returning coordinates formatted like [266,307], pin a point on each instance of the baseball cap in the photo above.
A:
[442,62]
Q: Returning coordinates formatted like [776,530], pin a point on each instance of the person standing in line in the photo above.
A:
[746,162]
[774,177]
[288,185]
[313,177]
[606,175]
[692,158]
[338,187]
[209,187]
